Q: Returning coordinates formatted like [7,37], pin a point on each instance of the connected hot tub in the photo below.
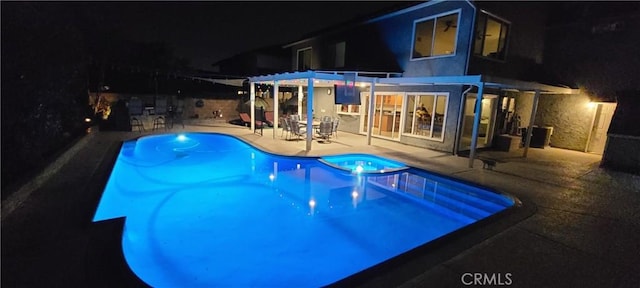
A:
[363,163]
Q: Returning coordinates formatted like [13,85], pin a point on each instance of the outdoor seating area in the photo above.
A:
[157,117]
[295,128]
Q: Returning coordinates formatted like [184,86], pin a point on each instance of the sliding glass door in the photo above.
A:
[387,115]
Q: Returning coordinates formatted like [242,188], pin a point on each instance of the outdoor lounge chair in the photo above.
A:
[268,118]
[246,119]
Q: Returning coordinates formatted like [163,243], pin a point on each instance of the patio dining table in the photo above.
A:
[314,123]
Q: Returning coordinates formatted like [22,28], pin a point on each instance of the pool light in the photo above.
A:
[359,169]
[271,177]
[182,138]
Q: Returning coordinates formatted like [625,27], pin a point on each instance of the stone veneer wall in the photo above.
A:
[570,116]
[524,105]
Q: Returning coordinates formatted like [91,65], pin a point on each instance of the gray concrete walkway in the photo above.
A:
[585,232]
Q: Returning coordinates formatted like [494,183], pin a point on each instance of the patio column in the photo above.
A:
[370,110]
[300,94]
[527,141]
[276,99]
[309,113]
[476,124]
[252,95]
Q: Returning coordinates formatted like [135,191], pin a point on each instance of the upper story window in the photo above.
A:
[491,36]
[435,36]
[304,59]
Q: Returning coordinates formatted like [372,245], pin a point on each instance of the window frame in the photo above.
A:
[500,20]
[349,109]
[434,18]
[435,95]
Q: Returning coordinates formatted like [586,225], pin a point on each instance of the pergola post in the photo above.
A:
[476,124]
[370,111]
[276,99]
[309,113]
[527,141]
[252,95]
[300,94]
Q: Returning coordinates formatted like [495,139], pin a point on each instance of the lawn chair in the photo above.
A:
[268,118]
[325,131]
[334,129]
[136,124]
[296,130]
[286,126]
[246,119]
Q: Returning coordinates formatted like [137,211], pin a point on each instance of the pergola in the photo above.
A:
[311,79]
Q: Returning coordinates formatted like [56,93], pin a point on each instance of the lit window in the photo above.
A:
[491,37]
[435,37]
[347,109]
[425,115]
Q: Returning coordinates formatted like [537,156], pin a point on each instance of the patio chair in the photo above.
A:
[326,119]
[286,126]
[297,131]
[159,123]
[334,129]
[136,124]
[325,131]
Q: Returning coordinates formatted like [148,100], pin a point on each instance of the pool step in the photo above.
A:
[471,204]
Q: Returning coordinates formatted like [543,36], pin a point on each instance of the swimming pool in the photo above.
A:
[205,209]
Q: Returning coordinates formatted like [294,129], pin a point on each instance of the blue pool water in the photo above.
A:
[210,210]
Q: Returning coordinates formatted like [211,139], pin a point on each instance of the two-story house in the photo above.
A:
[446,75]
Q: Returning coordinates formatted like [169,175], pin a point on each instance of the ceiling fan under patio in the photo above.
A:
[449,24]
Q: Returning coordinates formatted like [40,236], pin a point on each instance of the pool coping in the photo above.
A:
[106,264]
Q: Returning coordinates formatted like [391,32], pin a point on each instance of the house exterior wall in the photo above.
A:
[524,106]
[593,45]
[397,34]
[385,45]
[525,42]
[323,103]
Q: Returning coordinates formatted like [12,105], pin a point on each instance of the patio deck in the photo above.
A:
[584,231]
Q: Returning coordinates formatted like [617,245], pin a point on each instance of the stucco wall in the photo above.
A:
[385,45]
[397,33]
[323,103]
[570,116]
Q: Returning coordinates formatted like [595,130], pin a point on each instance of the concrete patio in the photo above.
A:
[579,225]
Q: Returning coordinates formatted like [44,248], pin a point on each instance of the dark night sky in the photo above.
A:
[205,32]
